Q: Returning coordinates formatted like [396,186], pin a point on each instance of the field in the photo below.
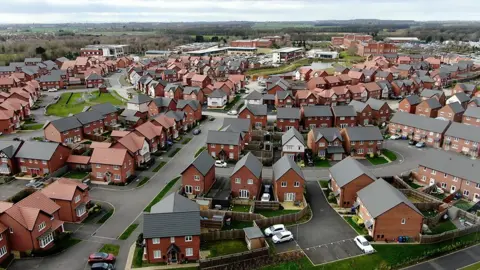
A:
[74,105]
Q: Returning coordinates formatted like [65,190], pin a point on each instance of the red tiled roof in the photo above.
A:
[355,74]
[63,189]
[100,144]
[164,121]
[356,89]
[6,81]
[372,86]
[40,201]
[133,142]
[332,79]
[4,206]
[199,78]
[110,156]
[119,133]
[77,159]
[149,130]
[340,90]
[303,94]
[25,216]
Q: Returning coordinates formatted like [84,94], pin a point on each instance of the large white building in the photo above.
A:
[109,51]
[287,54]
[322,54]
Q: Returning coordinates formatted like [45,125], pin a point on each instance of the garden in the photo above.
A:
[224,247]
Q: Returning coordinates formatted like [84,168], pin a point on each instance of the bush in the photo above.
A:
[140,240]
[360,222]
[368,237]
[331,196]
[355,219]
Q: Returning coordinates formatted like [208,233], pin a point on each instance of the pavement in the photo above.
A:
[456,260]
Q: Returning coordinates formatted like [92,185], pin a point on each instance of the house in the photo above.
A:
[72,197]
[332,81]
[108,111]
[317,82]
[279,85]
[326,143]
[51,81]
[174,91]
[452,111]
[41,158]
[192,110]
[437,94]
[131,118]
[156,88]
[358,92]
[155,135]
[463,139]
[341,95]
[194,93]
[112,164]
[347,178]
[316,116]
[246,178]
[8,150]
[201,80]
[388,213]
[168,124]
[137,145]
[199,176]
[451,172]
[345,116]
[471,116]
[428,108]
[65,130]
[139,104]
[288,118]
[409,104]
[419,128]
[404,70]
[225,144]
[254,98]
[373,90]
[238,125]
[460,98]
[364,112]
[357,77]
[384,76]
[341,70]
[256,113]
[344,79]
[93,80]
[293,144]
[161,105]
[305,98]
[380,110]
[303,74]
[288,180]
[217,99]
[362,141]
[171,230]
[92,122]
[468,89]
[284,99]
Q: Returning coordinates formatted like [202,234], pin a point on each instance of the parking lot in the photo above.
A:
[12,188]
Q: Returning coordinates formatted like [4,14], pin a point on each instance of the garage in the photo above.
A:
[337,157]
[336,152]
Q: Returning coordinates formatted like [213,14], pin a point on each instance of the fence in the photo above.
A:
[229,214]
[420,196]
[96,138]
[272,205]
[223,235]
[288,218]
[428,239]
[399,183]
[61,171]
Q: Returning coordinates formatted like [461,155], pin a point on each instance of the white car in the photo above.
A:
[395,137]
[232,112]
[281,237]
[52,90]
[363,244]
[277,228]
[265,197]
[220,163]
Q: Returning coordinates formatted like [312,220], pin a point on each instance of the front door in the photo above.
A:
[289,197]
[365,122]
[452,189]
[188,189]
[173,257]
[476,197]
[432,182]
[244,194]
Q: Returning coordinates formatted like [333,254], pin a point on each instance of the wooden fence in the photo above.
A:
[432,221]
[420,196]
[427,239]
[223,235]
[288,218]
[230,261]
[271,205]
[230,214]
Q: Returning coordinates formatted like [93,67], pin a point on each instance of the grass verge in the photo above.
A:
[225,247]
[159,166]
[389,154]
[360,230]
[128,231]
[32,127]
[175,151]
[323,183]
[109,248]
[105,217]
[200,150]
[162,193]
[143,182]
[186,140]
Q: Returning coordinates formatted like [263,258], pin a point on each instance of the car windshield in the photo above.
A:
[101,255]
[365,244]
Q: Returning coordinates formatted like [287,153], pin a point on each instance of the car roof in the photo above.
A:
[361,238]
[278,226]
[285,233]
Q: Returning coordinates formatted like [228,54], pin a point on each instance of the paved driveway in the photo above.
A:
[12,188]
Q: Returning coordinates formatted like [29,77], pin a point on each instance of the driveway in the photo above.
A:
[12,188]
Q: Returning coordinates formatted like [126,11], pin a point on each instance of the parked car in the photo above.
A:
[220,164]
[265,197]
[412,142]
[277,228]
[196,131]
[420,145]
[395,137]
[52,90]
[101,257]
[267,188]
[281,237]
[232,112]
[102,266]
[363,244]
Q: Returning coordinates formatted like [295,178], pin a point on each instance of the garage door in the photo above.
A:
[337,156]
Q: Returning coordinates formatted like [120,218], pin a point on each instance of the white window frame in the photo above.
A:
[46,240]
[284,184]
[403,221]
[42,226]
[157,254]
[296,184]
[238,181]
[250,181]
[188,252]
[196,177]
[77,198]
[188,238]
[3,251]
[172,239]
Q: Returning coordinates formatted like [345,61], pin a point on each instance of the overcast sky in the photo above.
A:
[59,11]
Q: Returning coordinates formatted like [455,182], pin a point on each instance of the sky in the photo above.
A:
[82,11]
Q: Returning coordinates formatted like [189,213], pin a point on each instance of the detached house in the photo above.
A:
[409,104]
[316,116]
[174,91]
[305,98]
[288,180]
[345,116]
[199,176]
[238,125]
[373,90]
[41,158]
[257,114]
[284,99]
[288,118]
[364,112]
[362,141]
[217,99]
[194,93]
[112,164]
[428,108]
[463,139]
[380,109]
[437,94]
[225,144]
[326,143]
[452,111]
[192,110]
[347,178]
[293,144]
[137,145]
[246,178]
[155,135]
[472,116]
[8,150]
[65,130]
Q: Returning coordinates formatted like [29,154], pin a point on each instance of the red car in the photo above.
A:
[101,257]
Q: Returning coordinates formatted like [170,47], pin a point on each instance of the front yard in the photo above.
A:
[73,103]
[75,174]
[359,229]
[241,208]
[224,247]
[274,213]
[389,154]
[321,163]
[378,160]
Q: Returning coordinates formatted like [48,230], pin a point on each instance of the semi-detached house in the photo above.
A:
[316,116]
[293,144]
[326,143]
[257,115]
[288,118]
[41,158]
[362,141]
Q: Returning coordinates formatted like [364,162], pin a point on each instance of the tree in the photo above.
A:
[40,50]
[442,39]
[199,38]
[214,39]
[428,39]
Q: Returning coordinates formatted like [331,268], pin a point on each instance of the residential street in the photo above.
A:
[455,260]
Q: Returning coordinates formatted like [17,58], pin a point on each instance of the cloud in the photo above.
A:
[61,11]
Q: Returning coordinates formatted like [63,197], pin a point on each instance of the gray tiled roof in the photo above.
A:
[33,60]
[472,112]
[462,97]
[7,69]
[204,162]
[162,101]
[288,113]
[129,115]
[236,124]
[66,123]
[376,104]
[317,111]
[456,107]
[364,133]
[347,170]
[177,115]
[218,94]
[254,95]
[104,108]
[188,90]
[462,131]
[433,103]
[380,196]
[342,111]
[9,148]
[453,164]
[421,122]
[251,162]
[173,87]
[382,74]
[284,94]
[184,102]
[223,137]
[268,97]
[37,150]
[175,202]
[258,110]
[358,105]
[413,99]
[430,93]
[404,67]
[330,134]
[140,99]
[475,100]
[50,78]
[466,87]
[283,165]
[293,132]
[253,232]
[89,117]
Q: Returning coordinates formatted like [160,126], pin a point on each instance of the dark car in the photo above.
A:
[196,131]
[102,266]
[101,257]
[412,142]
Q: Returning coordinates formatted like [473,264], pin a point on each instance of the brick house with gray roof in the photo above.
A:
[316,116]
[452,111]
[288,180]
[288,118]
[345,116]
[257,114]
[225,145]
[472,116]
[199,176]
[326,143]
[428,108]
[362,141]
[40,158]
[461,138]
[246,178]
[65,130]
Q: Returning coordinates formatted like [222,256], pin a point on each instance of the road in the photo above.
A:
[451,261]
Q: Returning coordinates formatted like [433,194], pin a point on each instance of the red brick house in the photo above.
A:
[201,80]
[174,91]
[373,90]
[452,111]
[364,112]
[246,178]
[288,118]
[108,111]
[93,80]
[288,180]
[7,83]
[171,231]
[5,246]
[155,135]
[71,196]
[156,88]
[387,213]
[380,110]
[199,176]
[256,113]
[344,116]
[194,93]
[305,98]
[428,108]
[317,82]
[357,77]
[112,164]
[284,99]
[472,116]
[8,121]
[225,145]
[333,81]
[362,141]
[137,146]
[161,105]
[41,158]
[469,89]
[316,116]
[168,124]
[192,110]
[92,122]
[326,143]
[463,139]
[409,104]
[347,178]
[437,94]
[358,92]
[384,76]
[8,150]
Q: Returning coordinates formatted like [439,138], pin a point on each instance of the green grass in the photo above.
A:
[231,104]
[413,184]
[109,248]
[475,266]
[186,140]
[321,163]
[360,230]
[389,154]
[174,152]
[349,57]
[30,121]
[162,193]
[143,182]
[241,208]
[377,160]
[463,204]
[128,231]
[225,247]
[281,69]
[159,166]
[323,183]
[61,108]
[429,213]
[236,224]
[75,174]
[443,226]
[200,150]
[32,127]
[105,217]
[138,262]
[274,213]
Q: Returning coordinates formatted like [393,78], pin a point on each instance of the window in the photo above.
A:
[22,160]
[157,254]
[467,183]
[444,175]
[45,171]
[99,175]
[244,194]
[11,230]
[296,184]
[424,178]
[466,192]
[172,239]
[360,151]
[3,251]
[196,177]
[23,168]
[321,144]
[238,181]
[4,160]
[250,181]
[80,211]
[197,188]
[455,179]
[47,239]
[361,142]
[284,184]
[41,226]
[404,220]
[434,172]
[188,238]
[116,167]
[230,147]
[189,252]
[117,177]
[155,241]
[77,198]
[443,185]
[477,185]
[97,166]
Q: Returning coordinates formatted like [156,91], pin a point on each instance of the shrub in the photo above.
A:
[368,237]
[140,240]
[331,196]
[355,219]
[360,222]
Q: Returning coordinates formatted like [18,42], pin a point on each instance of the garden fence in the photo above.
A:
[428,239]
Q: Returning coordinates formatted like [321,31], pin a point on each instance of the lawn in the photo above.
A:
[323,183]
[345,55]
[225,247]
[162,193]
[443,226]
[413,184]
[377,160]
[389,154]
[159,166]
[128,231]
[143,182]
[109,248]
[236,224]
[32,127]
[231,104]
[74,106]
[75,174]
[281,69]
[360,230]
[138,262]
[321,163]
[241,208]
[105,217]
[274,213]
[475,266]
[174,152]
[463,204]
[200,150]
